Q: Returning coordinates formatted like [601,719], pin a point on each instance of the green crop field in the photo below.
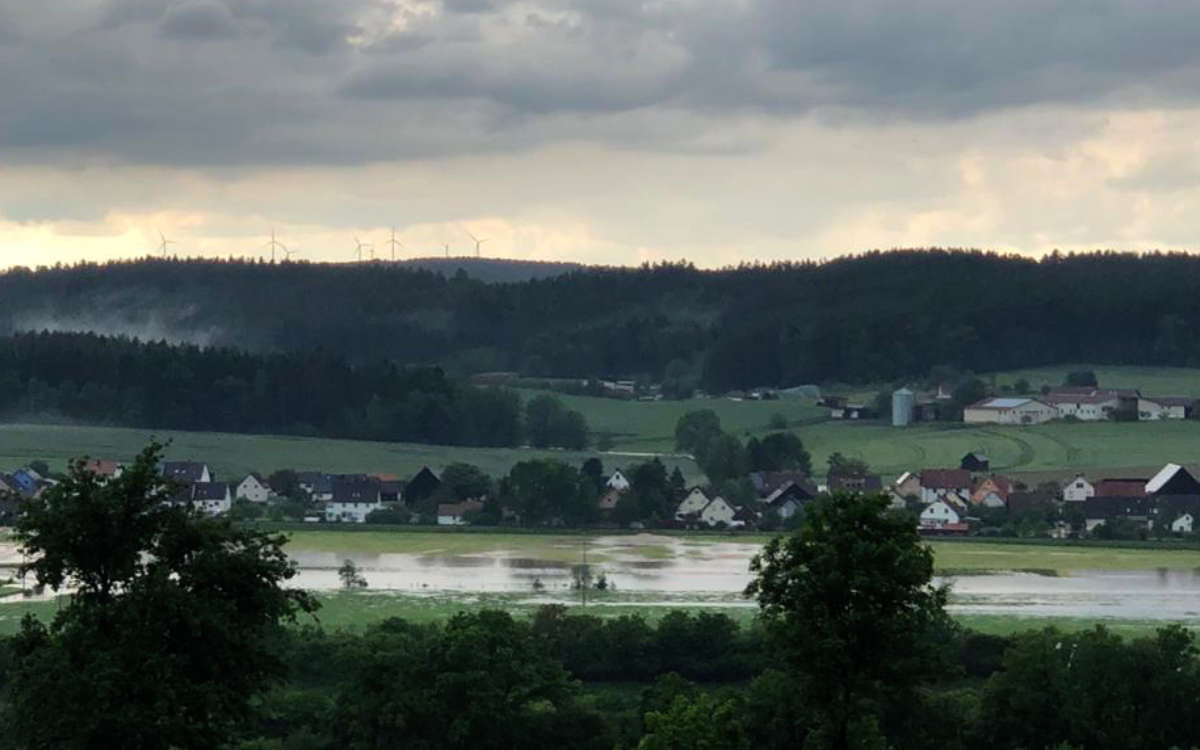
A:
[233,456]
[1055,447]
[650,425]
[1152,381]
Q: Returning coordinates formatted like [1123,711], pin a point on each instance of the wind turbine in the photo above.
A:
[162,245]
[394,242]
[274,243]
[447,246]
[358,248]
[478,241]
[287,255]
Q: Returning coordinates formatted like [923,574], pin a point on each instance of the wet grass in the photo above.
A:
[1011,624]
[983,557]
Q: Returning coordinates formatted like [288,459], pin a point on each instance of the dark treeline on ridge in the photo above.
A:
[107,380]
[877,316]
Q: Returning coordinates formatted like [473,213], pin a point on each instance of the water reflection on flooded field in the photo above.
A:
[713,572]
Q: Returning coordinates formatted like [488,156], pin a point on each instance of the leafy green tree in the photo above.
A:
[701,722]
[849,602]
[1081,379]
[540,490]
[1022,387]
[649,485]
[778,451]
[846,466]
[678,485]
[350,576]
[549,423]
[166,639]
[482,682]
[695,429]
[462,481]
[723,457]
[593,470]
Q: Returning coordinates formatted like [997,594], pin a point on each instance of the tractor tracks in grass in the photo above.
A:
[1025,451]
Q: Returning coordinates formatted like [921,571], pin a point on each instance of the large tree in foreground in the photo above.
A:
[848,598]
[166,637]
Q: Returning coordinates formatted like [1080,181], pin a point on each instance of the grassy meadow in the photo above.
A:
[233,456]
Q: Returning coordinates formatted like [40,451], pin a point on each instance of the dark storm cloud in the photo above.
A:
[313,81]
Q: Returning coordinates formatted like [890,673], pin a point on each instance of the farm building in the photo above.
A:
[1009,410]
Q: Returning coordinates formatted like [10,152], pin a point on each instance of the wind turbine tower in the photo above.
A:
[163,242]
[394,242]
[274,243]
[478,241]
[359,245]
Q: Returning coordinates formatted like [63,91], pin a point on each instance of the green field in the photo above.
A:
[1152,381]
[650,425]
[233,456]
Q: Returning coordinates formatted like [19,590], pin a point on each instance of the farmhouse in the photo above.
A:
[618,482]
[1153,408]
[991,492]
[1099,510]
[691,505]
[975,461]
[907,485]
[719,512]
[211,498]
[1090,406]
[1019,410]
[186,472]
[103,468]
[1172,480]
[1182,524]
[353,498]
[1078,489]
[938,514]
[253,488]
[423,484]
[937,484]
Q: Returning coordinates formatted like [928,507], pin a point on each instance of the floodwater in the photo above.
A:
[670,570]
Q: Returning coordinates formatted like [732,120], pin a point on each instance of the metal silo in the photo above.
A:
[902,407]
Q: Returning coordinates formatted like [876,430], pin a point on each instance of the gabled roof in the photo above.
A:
[355,489]
[101,467]
[1120,488]
[1116,507]
[183,471]
[769,482]
[1184,401]
[209,491]
[1164,475]
[1004,402]
[945,479]
[864,483]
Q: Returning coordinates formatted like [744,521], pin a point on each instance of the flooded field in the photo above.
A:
[659,570]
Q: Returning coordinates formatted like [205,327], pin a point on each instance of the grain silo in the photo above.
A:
[903,401]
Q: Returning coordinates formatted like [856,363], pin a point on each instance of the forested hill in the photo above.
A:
[879,315]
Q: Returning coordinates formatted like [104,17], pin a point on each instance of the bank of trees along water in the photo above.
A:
[178,638]
[871,318]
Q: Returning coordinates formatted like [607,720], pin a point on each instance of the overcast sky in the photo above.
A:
[606,131]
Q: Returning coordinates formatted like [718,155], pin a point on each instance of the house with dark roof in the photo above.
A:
[1153,408]
[353,497]
[1172,479]
[423,484]
[186,472]
[769,483]
[937,484]
[211,498]
[1098,510]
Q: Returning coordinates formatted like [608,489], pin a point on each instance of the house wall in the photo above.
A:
[1078,490]
[1151,411]
[693,503]
[1033,413]
[938,514]
[251,489]
[350,512]
[718,511]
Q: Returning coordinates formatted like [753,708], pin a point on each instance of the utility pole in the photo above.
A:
[583,575]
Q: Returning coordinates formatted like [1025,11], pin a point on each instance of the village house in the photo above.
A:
[1009,410]
[253,488]
[907,485]
[103,468]
[608,502]
[1154,408]
[353,498]
[991,492]
[186,472]
[1182,524]
[691,505]
[316,484]
[937,484]
[455,514]
[1091,406]
[618,482]
[423,484]
[719,512]
[1103,509]
[211,498]
[391,488]
[941,517]
[1173,480]
[1078,489]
